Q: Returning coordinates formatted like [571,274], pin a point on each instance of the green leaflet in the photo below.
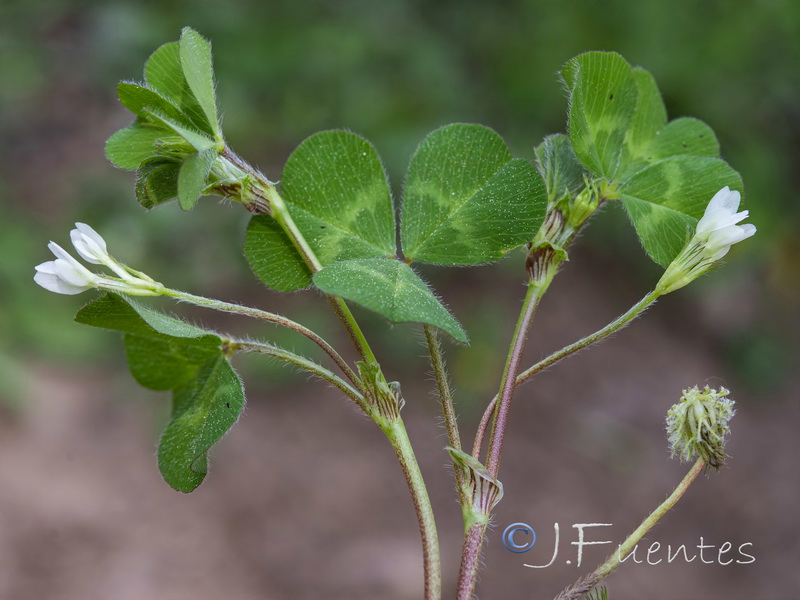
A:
[335,188]
[603,96]
[666,199]
[563,174]
[163,72]
[165,353]
[203,410]
[198,140]
[130,147]
[113,312]
[157,182]
[273,258]
[390,288]
[338,194]
[193,176]
[466,200]
[139,100]
[166,363]
[195,56]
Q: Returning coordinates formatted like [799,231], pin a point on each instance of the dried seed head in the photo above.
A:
[699,424]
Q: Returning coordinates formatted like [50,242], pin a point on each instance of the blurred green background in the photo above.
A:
[390,70]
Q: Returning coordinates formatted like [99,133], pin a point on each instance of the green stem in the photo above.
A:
[270,318]
[303,363]
[394,429]
[617,324]
[396,433]
[281,214]
[446,399]
[584,585]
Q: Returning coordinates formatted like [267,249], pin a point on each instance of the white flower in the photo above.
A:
[65,275]
[716,232]
[89,244]
[718,229]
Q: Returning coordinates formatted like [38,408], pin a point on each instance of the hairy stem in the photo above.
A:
[446,399]
[394,429]
[585,584]
[281,214]
[476,529]
[270,318]
[508,381]
[617,324]
[470,561]
[303,363]
[396,433]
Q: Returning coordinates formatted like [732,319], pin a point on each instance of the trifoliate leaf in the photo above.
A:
[165,353]
[665,173]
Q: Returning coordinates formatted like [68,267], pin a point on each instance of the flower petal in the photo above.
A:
[726,199]
[728,236]
[87,248]
[89,244]
[71,275]
[53,283]
[90,233]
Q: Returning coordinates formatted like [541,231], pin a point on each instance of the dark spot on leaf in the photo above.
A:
[611,96]
[322,226]
[685,144]
[702,136]
[227,404]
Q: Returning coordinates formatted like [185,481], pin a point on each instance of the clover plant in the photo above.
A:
[332,225]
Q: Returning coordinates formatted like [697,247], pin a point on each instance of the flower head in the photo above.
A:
[699,423]
[718,229]
[716,232]
[65,275]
